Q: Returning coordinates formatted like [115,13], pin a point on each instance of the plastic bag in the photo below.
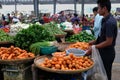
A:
[98,71]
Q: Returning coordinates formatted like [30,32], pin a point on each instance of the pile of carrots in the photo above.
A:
[13,53]
[79,45]
[70,62]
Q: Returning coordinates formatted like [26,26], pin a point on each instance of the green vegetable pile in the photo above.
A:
[81,37]
[5,37]
[35,33]
[35,47]
[53,29]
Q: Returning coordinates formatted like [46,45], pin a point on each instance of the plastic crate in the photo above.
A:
[48,50]
[75,51]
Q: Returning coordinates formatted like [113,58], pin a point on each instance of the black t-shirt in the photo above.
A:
[108,29]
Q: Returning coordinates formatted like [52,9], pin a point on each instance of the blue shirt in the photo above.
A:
[97,25]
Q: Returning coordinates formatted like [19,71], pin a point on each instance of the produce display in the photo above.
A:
[66,26]
[81,37]
[59,54]
[79,45]
[35,33]
[4,37]
[35,47]
[6,29]
[13,53]
[53,29]
[15,28]
[70,62]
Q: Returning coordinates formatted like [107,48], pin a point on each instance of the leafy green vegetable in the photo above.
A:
[53,29]
[5,37]
[35,47]
[81,37]
[35,33]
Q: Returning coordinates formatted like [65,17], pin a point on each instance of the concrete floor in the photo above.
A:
[116,65]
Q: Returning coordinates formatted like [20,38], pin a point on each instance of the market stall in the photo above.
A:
[39,40]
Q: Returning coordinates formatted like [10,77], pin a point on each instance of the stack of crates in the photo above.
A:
[17,71]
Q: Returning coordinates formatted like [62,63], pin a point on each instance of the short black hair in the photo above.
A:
[61,12]
[45,15]
[75,14]
[105,3]
[95,9]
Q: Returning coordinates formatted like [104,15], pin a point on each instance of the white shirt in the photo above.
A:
[97,25]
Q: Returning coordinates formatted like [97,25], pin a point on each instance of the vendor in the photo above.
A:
[106,40]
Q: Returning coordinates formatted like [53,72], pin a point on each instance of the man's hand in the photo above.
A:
[92,42]
[89,51]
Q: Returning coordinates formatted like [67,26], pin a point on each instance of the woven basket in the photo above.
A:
[60,35]
[69,31]
[16,61]
[5,42]
[40,59]
[63,46]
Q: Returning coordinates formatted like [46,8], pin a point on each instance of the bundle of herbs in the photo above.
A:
[35,33]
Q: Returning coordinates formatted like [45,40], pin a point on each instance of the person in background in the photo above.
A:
[62,17]
[9,18]
[84,20]
[106,41]
[54,18]
[69,16]
[97,22]
[75,17]
[3,20]
[46,18]
[76,26]
[15,20]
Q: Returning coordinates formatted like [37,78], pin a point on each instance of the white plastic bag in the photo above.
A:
[98,71]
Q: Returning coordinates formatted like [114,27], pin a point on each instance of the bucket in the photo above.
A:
[48,50]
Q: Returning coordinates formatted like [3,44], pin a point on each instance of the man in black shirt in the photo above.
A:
[106,40]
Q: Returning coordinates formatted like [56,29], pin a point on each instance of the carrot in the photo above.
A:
[10,57]
[3,56]
[1,52]
[21,55]
[31,55]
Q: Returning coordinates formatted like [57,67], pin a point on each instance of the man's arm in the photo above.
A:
[107,42]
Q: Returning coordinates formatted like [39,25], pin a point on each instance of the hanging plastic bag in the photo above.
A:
[98,71]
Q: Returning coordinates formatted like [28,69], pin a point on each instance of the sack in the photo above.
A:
[98,71]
